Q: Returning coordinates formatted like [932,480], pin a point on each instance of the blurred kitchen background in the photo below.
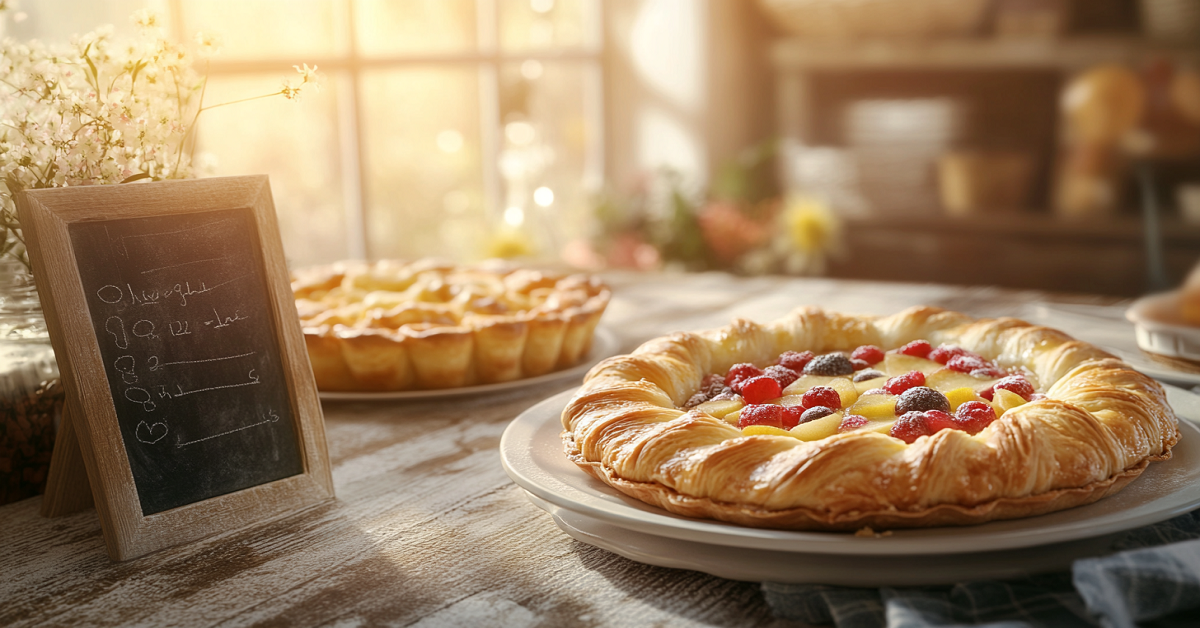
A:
[1047,144]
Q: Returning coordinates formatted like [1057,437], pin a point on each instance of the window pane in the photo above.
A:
[424,180]
[389,27]
[544,163]
[540,24]
[296,144]
[268,29]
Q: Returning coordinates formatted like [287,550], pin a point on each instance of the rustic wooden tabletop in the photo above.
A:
[427,529]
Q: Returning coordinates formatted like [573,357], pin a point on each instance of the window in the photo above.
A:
[439,123]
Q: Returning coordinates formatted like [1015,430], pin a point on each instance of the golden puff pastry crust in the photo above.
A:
[1099,426]
[393,325]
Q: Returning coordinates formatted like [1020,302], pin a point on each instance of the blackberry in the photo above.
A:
[863,376]
[830,364]
[814,413]
[920,399]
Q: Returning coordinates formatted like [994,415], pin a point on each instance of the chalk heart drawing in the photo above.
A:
[150,434]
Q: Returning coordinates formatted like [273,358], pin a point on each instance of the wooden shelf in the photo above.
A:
[970,54]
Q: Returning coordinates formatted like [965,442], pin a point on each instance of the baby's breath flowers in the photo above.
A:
[99,111]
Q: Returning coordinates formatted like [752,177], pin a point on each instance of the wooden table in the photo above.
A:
[427,528]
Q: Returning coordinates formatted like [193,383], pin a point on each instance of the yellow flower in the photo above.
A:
[509,244]
[811,227]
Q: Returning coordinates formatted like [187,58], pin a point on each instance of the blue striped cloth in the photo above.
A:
[1152,580]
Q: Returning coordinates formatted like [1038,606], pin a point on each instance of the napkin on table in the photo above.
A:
[1153,579]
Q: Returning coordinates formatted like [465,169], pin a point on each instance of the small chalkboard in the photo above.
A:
[185,368]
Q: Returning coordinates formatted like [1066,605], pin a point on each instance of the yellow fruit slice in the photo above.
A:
[845,389]
[898,364]
[864,386]
[720,407]
[823,427]
[800,386]
[764,430]
[874,407]
[959,396]
[945,379]
[1005,400]
[883,427]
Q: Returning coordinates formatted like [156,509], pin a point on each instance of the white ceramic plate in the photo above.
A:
[768,565]
[531,452]
[604,344]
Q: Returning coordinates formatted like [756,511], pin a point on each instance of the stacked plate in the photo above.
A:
[591,512]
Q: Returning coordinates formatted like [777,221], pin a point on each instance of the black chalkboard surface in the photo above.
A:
[179,307]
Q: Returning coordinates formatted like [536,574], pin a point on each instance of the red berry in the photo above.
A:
[791,416]
[936,420]
[852,422]
[966,363]
[973,416]
[988,393]
[1017,384]
[821,396]
[740,373]
[868,353]
[916,348]
[859,364]
[942,354]
[988,371]
[764,414]
[909,427]
[901,383]
[782,374]
[761,389]
[796,361]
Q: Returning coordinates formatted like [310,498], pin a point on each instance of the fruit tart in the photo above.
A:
[391,325]
[827,421]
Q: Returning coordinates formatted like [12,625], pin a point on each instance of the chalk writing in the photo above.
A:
[180,306]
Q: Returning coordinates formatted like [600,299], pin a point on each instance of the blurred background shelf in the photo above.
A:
[794,54]
[1013,250]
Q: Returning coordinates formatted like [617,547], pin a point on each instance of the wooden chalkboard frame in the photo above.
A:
[45,217]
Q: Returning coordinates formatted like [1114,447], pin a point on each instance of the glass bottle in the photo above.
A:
[31,395]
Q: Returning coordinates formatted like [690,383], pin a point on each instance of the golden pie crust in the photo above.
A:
[1099,426]
[392,326]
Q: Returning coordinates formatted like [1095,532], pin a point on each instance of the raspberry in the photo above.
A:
[739,373]
[782,374]
[760,389]
[859,364]
[821,396]
[829,364]
[909,427]
[816,412]
[936,420]
[989,371]
[764,414]
[868,353]
[973,416]
[868,374]
[795,361]
[920,399]
[792,416]
[942,354]
[1017,384]
[966,363]
[852,422]
[901,383]
[988,393]
[916,348]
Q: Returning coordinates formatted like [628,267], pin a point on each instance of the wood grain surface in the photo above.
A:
[427,529]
